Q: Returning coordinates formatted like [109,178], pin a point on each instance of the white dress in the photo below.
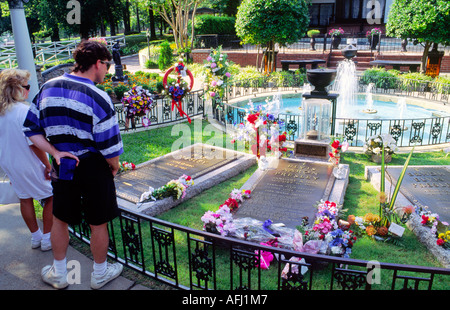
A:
[24,169]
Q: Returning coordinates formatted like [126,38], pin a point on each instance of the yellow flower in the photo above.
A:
[382,197]
[368,218]
[370,230]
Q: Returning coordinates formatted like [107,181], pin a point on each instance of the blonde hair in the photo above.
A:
[11,90]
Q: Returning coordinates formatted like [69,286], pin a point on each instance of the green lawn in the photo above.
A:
[360,198]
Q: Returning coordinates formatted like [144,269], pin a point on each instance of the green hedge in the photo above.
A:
[209,24]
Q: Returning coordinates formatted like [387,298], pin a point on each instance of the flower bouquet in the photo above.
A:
[124,166]
[262,130]
[438,228]
[216,72]
[341,242]
[337,147]
[174,188]
[374,146]
[219,222]
[137,101]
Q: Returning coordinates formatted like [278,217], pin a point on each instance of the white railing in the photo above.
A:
[49,52]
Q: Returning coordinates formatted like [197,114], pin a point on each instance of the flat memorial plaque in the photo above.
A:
[289,192]
[425,186]
[195,161]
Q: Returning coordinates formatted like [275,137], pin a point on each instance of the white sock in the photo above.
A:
[60,266]
[100,269]
[37,235]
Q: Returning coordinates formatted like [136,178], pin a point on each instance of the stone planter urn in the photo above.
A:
[320,78]
[335,41]
[373,41]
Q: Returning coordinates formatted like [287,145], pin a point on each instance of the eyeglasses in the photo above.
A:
[107,63]
[27,87]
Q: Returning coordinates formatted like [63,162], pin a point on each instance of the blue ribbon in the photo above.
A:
[266,225]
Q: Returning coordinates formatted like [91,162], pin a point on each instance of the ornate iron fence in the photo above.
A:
[407,132]
[190,259]
[49,52]
[193,104]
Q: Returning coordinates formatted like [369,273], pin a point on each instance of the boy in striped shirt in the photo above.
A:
[70,114]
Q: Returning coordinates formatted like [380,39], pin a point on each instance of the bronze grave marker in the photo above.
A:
[195,161]
[425,186]
[289,192]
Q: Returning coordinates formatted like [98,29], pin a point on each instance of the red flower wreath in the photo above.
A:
[177,93]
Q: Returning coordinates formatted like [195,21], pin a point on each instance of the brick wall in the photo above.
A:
[249,58]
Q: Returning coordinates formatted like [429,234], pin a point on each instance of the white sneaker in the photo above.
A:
[112,272]
[46,245]
[49,276]
[35,243]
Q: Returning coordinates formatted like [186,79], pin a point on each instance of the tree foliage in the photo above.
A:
[425,21]
[266,22]
[178,14]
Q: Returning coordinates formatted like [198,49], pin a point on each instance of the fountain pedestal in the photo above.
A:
[319,115]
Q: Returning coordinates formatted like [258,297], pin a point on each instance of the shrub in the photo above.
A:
[210,24]
[381,77]
[150,64]
[166,57]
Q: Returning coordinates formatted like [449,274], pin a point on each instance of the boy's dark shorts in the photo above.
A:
[91,194]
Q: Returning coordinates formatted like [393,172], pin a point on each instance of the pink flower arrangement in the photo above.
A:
[221,221]
[336,32]
[373,32]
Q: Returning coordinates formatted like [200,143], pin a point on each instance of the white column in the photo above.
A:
[23,47]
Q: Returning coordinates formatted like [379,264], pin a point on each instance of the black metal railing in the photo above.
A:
[322,43]
[187,258]
[193,105]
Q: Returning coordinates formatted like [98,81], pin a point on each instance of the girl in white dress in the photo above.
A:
[27,167]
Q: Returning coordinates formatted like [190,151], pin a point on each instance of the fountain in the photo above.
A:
[401,105]
[369,100]
[346,84]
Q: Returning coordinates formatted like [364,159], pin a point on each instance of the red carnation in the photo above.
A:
[335,144]
[252,118]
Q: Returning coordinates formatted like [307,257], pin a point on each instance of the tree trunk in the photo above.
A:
[152,24]
[269,62]
[126,17]
[138,19]
[423,66]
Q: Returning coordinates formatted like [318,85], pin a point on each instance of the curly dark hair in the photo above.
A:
[87,53]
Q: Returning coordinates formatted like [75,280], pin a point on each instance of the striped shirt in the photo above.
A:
[76,117]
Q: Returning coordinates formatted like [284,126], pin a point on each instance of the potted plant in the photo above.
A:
[313,33]
[374,146]
[336,37]
[373,36]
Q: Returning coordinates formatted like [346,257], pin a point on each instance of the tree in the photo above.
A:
[177,14]
[267,22]
[426,21]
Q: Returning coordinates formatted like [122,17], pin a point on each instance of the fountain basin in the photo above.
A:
[320,79]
